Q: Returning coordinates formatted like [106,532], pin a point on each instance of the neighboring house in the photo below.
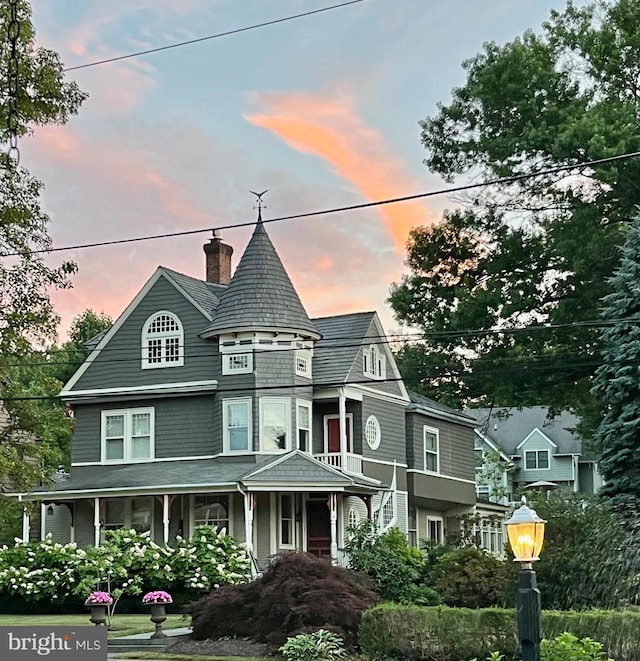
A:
[220,402]
[530,450]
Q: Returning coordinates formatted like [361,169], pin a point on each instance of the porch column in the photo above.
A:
[43,520]
[165,518]
[333,518]
[96,521]
[249,504]
[342,410]
[26,526]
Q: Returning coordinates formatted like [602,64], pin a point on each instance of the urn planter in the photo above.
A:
[98,614]
[158,616]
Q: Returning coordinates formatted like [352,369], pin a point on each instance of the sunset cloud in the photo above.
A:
[330,129]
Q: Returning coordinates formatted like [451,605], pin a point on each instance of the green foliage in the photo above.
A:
[394,567]
[616,382]
[321,645]
[567,647]
[538,249]
[470,577]
[448,634]
[85,326]
[586,560]
[125,564]
[27,318]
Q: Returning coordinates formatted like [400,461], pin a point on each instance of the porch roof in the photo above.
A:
[293,469]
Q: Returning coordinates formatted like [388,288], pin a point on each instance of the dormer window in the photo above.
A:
[373,362]
[162,341]
[303,362]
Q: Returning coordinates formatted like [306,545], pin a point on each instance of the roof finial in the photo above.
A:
[260,205]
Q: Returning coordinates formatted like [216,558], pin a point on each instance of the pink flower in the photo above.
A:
[157,597]
[97,597]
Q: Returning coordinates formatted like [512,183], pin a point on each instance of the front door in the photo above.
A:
[318,528]
[333,435]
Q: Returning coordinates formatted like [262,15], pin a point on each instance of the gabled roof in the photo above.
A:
[205,294]
[336,352]
[296,467]
[507,427]
[429,406]
[260,295]
[200,294]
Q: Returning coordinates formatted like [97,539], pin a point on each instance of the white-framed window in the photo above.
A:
[303,423]
[162,341]
[130,513]
[536,459]
[490,536]
[303,362]
[236,423]
[373,362]
[372,432]
[275,424]
[435,529]
[388,513]
[353,517]
[237,363]
[431,440]
[211,510]
[287,514]
[128,435]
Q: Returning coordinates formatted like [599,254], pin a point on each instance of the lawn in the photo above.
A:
[187,657]
[123,625]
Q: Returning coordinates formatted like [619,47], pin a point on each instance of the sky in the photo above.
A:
[322,111]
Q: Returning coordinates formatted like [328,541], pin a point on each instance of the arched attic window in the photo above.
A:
[162,341]
[373,362]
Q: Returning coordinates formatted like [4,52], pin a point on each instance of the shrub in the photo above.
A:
[45,573]
[321,645]
[448,634]
[471,578]
[567,647]
[297,594]
[394,567]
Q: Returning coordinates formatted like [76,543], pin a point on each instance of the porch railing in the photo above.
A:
[353,462]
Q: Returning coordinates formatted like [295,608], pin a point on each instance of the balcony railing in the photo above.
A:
[353,462]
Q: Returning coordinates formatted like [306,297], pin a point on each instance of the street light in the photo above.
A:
[525,530]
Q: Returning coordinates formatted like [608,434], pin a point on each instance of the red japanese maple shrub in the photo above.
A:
[297,594]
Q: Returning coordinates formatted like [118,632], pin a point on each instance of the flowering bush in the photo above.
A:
[125,563]
[157,597]
[98,597]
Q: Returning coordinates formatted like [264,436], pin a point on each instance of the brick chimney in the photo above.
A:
[218,260]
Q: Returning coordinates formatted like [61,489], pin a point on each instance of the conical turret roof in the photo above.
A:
[260,295]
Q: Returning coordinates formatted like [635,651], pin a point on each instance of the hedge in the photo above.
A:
[457,634]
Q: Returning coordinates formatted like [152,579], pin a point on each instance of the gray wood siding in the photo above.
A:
[201,360]
[84,532]
[391,417]
[356,373]
[456,444]
[184,427]
[262,529]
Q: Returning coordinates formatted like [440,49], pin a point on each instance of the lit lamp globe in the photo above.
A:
[525,530]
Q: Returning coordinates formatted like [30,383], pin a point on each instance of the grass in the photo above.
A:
[123,625]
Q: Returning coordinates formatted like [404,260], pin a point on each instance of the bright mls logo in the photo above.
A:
[54,643]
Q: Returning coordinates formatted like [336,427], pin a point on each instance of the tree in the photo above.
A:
[539,249]
[84,327]
[617,381]
[27,319]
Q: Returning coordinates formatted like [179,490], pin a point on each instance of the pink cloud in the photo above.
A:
[330,129]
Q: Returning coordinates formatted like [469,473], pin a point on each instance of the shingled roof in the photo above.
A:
[260,295]
[342,338]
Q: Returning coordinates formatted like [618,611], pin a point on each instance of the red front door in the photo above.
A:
[333,433]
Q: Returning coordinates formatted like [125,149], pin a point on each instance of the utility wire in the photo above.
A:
[330,343]
[558,367]
[352,207]
[209,37]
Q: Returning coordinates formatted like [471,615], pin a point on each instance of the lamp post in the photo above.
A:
[525,530]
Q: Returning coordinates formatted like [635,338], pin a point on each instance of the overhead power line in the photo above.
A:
[190,42]
[353,207]
[332,342]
